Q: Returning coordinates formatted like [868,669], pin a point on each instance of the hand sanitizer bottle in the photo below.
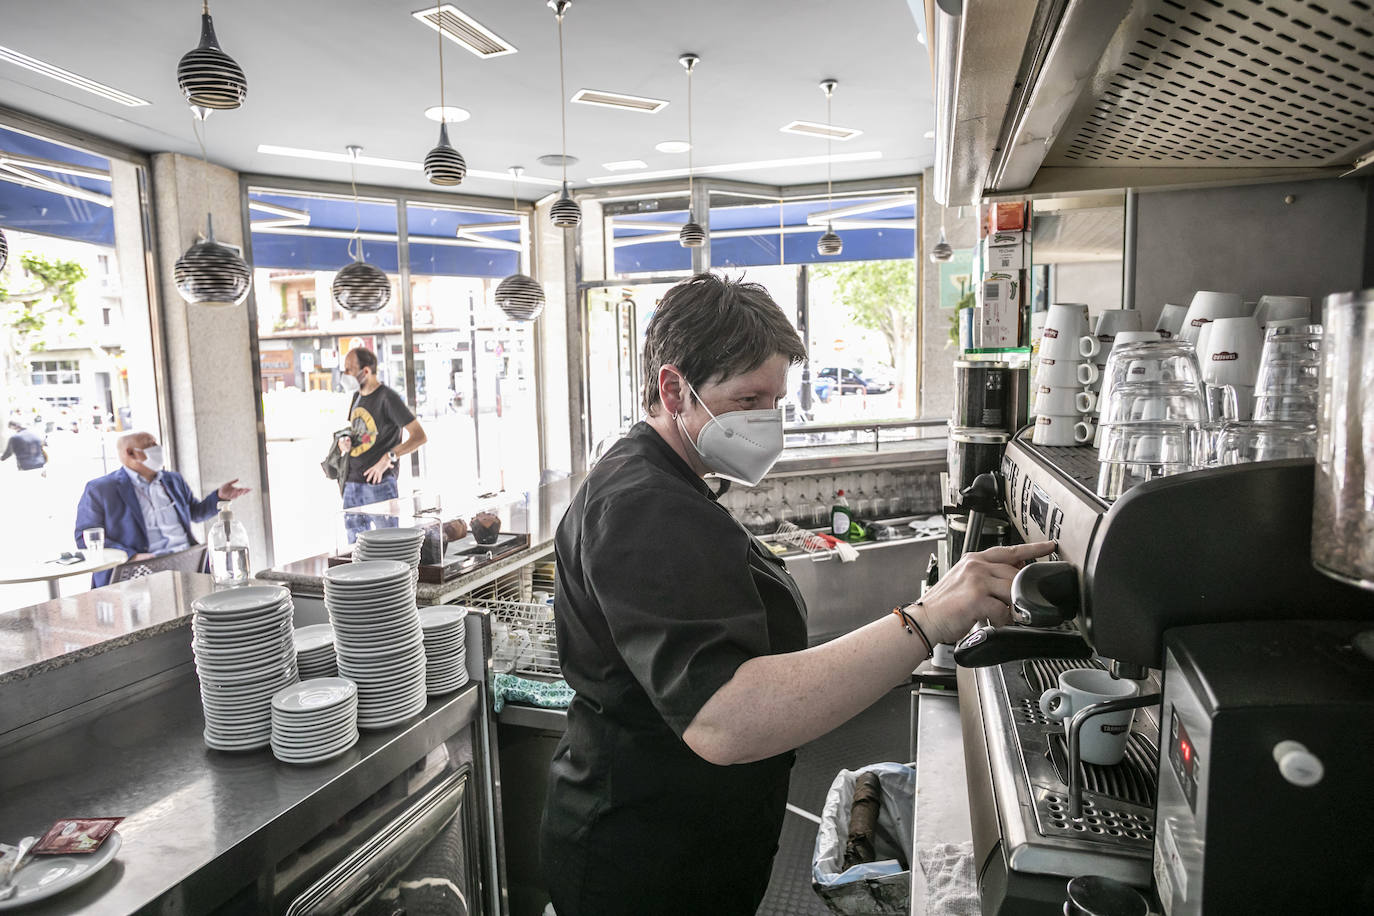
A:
[228,549]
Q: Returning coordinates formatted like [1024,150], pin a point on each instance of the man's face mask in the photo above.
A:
[740,445]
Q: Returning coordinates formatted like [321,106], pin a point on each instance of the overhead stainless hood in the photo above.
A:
[1045,97]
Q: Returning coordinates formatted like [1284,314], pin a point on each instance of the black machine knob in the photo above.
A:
[1045,594]
[989,645]
[984,494]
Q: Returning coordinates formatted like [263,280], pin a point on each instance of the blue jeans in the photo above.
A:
[363,494]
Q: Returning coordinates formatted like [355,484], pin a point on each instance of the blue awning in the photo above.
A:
[51,212]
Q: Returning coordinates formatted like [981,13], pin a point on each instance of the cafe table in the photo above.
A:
[49,571]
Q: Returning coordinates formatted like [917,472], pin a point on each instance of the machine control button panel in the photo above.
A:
[1056,523]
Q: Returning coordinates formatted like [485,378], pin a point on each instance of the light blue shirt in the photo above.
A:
[166,534]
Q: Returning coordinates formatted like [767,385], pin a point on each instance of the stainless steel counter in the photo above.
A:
[942,814]
[200,825]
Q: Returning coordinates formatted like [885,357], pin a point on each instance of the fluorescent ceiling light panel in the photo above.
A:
[745,166]
[71,79]
[823,131]
[625,165]
[462,29]
[619,100]
[673,146]
[327,156]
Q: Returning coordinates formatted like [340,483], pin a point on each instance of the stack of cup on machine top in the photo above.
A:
[1152,415]
[1111,324]
[1055,397]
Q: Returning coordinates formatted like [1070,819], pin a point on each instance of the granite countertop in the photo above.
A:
[61,632]
[537,514]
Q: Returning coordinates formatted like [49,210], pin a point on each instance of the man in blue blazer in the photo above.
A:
[146,511]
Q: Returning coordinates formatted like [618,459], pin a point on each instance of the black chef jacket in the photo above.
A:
[661,596]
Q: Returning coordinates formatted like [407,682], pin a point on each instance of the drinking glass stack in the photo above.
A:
[1286,392]
[445,661]
[245,652]
[315,652]
[1152,415]
[315,720]
[377,638]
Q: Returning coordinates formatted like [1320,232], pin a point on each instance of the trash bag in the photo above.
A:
[881,887]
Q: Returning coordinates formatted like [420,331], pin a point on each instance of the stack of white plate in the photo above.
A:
[314,720]
[401,544]
[445,665]
[315,651]
[377,638]
[245,653]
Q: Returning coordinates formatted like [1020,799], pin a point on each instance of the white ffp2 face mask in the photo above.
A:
[349,382]
[741,445]
[152,458]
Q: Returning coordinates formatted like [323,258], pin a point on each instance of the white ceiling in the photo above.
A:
[326,73]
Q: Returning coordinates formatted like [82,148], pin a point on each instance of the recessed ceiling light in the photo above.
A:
[673,146]
[746,166]
[450,113]
[824,131]
[328,156]
[71,79]
[464,30]
[929,135]
[624,165]
[619,100]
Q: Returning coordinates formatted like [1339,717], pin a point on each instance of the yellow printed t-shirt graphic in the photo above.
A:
[365,434]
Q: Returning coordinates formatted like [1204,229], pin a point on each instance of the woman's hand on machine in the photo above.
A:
[975,589]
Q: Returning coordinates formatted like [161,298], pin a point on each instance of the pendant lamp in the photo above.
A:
[360,286]
[209,78]
[565,213]
[444,165]
[941,250]
[692,235]
[829,243]
[209,273]
[4,249]
[519,296]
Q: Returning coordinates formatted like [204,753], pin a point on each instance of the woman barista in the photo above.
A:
[686,640]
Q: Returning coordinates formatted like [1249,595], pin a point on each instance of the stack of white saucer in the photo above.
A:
[314,720]
[315,652]
[245,653]
[377,638]
[445,665]
[401,544]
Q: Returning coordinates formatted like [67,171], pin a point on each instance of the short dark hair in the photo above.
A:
[715,328]
[366,358]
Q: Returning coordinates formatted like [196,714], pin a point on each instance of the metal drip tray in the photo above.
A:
[1116,835]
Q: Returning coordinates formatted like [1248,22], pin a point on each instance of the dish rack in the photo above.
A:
[804,540]
[524,639]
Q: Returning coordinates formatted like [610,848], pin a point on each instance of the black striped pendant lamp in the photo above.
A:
[4,249]
[360,286]
[444,165]
[519,296]
[565,213]
[208,77]
[691,234]
[212,274]
[829,243]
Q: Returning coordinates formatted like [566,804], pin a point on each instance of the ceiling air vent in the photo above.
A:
[619,100]
[824,132]
[464,30]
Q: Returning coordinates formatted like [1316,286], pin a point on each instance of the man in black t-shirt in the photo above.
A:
[377,417]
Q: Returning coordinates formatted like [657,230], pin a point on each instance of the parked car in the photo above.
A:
[852,381]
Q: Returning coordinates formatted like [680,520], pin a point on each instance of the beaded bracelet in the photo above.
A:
[909,622]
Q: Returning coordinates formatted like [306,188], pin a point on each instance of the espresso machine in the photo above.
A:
[1255,673]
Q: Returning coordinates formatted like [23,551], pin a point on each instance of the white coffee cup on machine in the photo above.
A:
[1058,372]
[1059,431]
[1103,738]
[1058,401]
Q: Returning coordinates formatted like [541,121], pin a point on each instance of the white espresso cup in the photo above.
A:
[1170,322]
[1054,372]
[1088,373]
[1231,352]
[1209,306]
[1057,401]
[1057,345]
[1065,320]
[1282,308]
[1113,321]
[1060,431]
[1129,337]
[1103,738]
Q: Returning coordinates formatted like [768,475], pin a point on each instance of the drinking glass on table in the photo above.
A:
[94,539]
